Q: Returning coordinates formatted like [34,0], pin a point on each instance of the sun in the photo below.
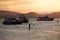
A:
[48,5]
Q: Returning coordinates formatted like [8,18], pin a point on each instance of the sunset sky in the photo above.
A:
[25,6]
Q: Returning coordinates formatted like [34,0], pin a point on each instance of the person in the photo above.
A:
[57,21]
[29,26]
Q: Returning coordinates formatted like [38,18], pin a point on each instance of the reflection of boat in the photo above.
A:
[11,20]
[45,18]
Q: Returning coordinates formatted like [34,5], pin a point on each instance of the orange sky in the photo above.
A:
[30,5]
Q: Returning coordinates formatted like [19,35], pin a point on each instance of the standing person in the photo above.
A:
[29,27]
[57,21]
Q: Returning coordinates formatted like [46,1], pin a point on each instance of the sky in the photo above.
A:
[25,6]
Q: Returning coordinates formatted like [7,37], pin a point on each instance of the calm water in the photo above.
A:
[39,31]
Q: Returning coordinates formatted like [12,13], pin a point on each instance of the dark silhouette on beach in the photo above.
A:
[45,18]
[14,21]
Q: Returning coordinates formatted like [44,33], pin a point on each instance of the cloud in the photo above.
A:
[30,5]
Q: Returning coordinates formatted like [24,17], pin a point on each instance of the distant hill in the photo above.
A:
[32,15]
[7,13]
[54,15]
[4,13]
[15,14]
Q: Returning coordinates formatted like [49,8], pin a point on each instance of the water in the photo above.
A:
[39,31]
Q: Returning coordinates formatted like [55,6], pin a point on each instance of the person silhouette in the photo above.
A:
[29,26]
[57,21]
